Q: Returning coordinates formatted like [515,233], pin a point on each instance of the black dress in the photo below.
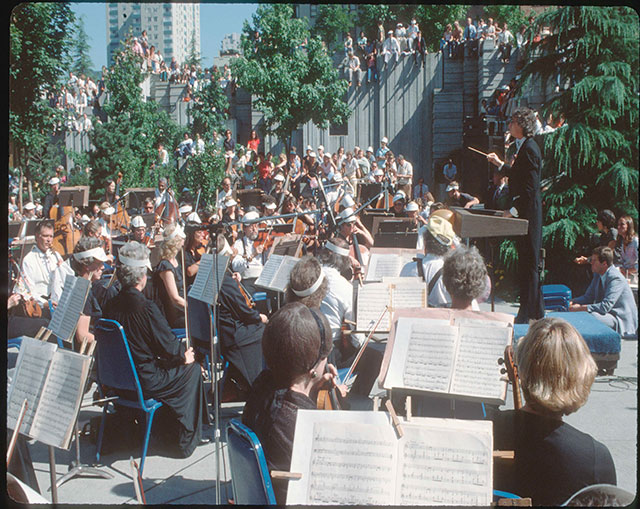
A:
[173,312]
[240,330]
[190,258]
[159,360]
[271,414]
[524,185]
[552,461]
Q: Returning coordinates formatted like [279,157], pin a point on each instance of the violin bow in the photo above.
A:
[364,345]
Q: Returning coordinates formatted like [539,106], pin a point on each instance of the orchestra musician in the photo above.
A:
[110,195]
[295,345]
[278,187]
[160,192]
[269,207]
[195,244]
[399,201]
[167,276]
[166,370]
[51,198]
[553,459]
[349,225]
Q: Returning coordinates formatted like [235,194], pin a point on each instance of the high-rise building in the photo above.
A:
[171,27]
[230,48]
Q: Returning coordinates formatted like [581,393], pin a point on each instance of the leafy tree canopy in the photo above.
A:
[332,23]
[194,57]
[513,15]
[80,50]
[289,72]
[209,107]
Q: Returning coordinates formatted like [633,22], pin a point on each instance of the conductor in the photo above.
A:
[524,184]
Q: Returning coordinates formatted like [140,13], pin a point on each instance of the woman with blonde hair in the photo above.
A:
[553,460]
[167,276]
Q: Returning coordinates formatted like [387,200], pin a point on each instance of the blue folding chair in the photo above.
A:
[250,476]
[497,494]
[117,373]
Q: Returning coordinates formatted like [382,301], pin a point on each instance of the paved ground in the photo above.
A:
[610,416]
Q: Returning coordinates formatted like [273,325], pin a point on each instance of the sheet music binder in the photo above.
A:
[204,286]
[67,313]
[275,274]
[52,380]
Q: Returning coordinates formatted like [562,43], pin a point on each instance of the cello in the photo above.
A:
[119,220]
[168,211]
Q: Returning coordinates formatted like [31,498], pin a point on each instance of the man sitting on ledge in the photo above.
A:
[609,297]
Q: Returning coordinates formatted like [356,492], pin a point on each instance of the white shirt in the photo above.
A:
[351,167]
[247,268]
[405,173]
[159,197]
[337,305]
[222,196]
[391,45]
[37,268]
[58,276]
[505,37]
[431,264]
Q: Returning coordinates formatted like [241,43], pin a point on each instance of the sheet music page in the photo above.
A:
[70,308]
[409,294]
[281,278]
[445,462]
[383,265]
[58,313]
[478,322]
[197,287]
[477,372]
[269,271]
[61,397]
[210,291]
[344,459]
[30,374]
[372,299]
[423,355]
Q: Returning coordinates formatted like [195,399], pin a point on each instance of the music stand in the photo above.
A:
[149,219]
[77,196]
[14,229]
[407,240]
[368,191]
[249,197]
[137,196]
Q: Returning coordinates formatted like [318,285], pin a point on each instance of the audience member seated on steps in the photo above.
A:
[295,345]
[609,297]
[457,199]
[552,459]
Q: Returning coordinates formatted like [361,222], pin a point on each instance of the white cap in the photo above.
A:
[185,209]
[270,206]
[279,177]
[327,154]
[347,215]
[412,207]
[399,25]
[370,149]
[384,139]
[451,187]
[309,147]
[378,172]
[194,217]
[312,154]
[109,211]
[29,206]
[85,219]
[390,32]
[178,232]
[230,202]
[399,196]
[53,181]
[39,206]
[321,147]
[96,252]
[347,201]
[138,222]
[252,215]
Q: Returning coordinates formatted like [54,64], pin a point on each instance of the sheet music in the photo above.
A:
[445,462]
[372,299]
[423,355]
[269,271]
[281,279]
[383,265]
[345,458]
[409,294]
[61,397]
[31,370]
[204,286]
[67,313]
[477,372]
[478,322]
[197,287]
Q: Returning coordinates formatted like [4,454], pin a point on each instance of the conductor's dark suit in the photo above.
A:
[524,184]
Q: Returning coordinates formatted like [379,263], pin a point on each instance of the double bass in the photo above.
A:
[119,220]
[168,210]
[65,233]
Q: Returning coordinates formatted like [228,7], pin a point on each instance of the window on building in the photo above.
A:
[314,10]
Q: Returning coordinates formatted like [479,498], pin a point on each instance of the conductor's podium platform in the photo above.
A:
[603,342]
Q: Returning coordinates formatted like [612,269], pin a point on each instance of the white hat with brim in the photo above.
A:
[398,197]
[347,215]
[412,207]
[109,211]
[29,206]
[96,252]
[321,147]
[441,229]
[185,209]
[250,216]
[85,219]
[279,177]
[623,498]
[312,154]
[138,222]
[385,140]
[54,181]
[270,206]
[347,201]
[452,187]
[309,147]
[194,218]
[370,149]
[230,202]
[377,172]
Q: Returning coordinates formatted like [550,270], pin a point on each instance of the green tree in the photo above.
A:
[209,107]
[193,58]
[433,20]
[593,55]
[204,173]
[294,82]
[332,23]
[39,49]
[369,15]
[128,140]
[513,15]
[80,49]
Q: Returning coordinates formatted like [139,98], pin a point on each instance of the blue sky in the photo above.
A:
[216,20]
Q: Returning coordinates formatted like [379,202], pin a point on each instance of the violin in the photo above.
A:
[247,298]
[30,307]
[512,372]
